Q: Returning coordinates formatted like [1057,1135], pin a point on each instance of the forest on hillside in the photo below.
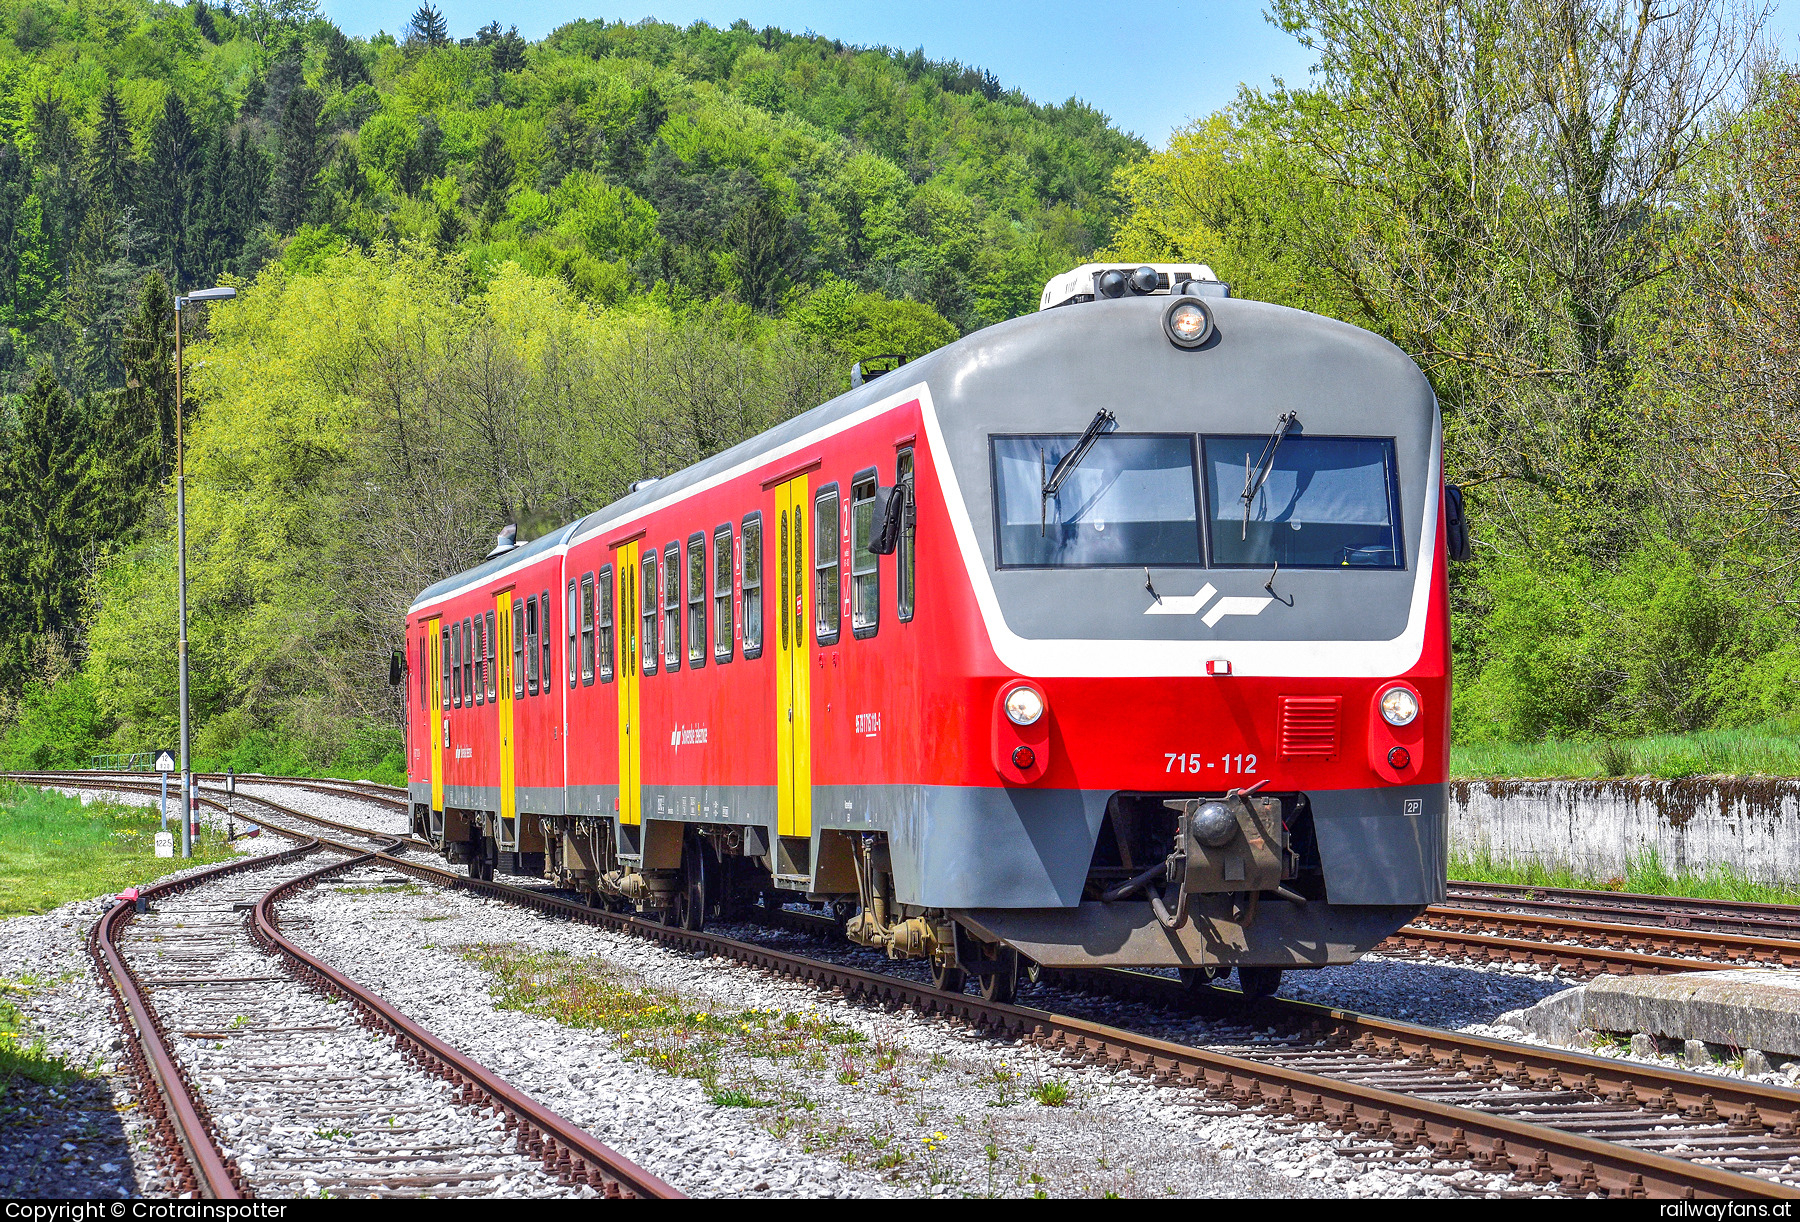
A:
[485,280]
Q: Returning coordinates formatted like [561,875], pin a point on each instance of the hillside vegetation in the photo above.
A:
[488,281]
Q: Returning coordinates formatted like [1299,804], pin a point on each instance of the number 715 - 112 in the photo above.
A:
[1193,762]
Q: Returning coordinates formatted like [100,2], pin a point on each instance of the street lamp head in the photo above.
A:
[221,293]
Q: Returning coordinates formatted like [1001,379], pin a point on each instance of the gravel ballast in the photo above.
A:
[952,1115]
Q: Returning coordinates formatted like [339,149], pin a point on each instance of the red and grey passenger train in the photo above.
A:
[1116,634]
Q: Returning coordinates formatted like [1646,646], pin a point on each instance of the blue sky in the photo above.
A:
[1151,66]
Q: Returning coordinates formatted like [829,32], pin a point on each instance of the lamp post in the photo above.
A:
[187,776]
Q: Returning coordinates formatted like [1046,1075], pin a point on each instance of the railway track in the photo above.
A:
[1628,908]
[1551,1118]
[192,984]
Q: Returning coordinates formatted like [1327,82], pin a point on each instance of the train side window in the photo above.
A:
[696,599]
[865,572]
[468,663]
[518,649]
[672,607]
[722,570]
[444,668]
[587,629]
[781,608]
[480,661]
[826,540]
[571,629]
[753,610]
[546,639]
[424,676]
[605,618]
[531,641]
[648,587]
[488,653]
[456,669]
[905,591]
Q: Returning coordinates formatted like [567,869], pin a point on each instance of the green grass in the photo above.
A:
[1770,750]
[21,1057]
[54,849]
[1644,874]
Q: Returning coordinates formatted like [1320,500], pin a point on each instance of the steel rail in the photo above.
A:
[563,1146]
[1734,948]
[1412,940]
[180,1121]
[1743,1101]
[1630,908]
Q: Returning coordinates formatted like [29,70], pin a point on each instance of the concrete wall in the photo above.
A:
[1595,827]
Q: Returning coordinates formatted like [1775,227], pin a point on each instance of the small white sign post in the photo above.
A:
[165,841]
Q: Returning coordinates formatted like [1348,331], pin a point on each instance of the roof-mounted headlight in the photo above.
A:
[1187,322]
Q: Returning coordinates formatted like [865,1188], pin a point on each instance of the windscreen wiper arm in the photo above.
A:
[1068,462]
[1255,477]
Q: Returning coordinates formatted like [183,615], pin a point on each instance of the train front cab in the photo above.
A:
[1212,589]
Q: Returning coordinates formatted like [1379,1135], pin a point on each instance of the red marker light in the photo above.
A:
[1023,758]
[1399,758]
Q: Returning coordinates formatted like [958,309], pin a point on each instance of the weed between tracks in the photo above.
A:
[766,1058]
[55,848]
[664,1030]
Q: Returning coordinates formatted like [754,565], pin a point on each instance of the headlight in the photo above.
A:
[1187,323]
[1023,705]
[1399,706]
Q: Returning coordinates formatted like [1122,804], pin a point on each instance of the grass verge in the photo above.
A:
[55,848]
[1644,875]
[1770,750]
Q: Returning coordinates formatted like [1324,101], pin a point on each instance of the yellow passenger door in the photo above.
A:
[503,705]
[630,755]
[434,645]
[793,677]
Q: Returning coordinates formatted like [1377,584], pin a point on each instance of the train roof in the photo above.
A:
[1020,340]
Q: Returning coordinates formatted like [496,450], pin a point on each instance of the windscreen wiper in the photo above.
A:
[1255,477]
[1068,462]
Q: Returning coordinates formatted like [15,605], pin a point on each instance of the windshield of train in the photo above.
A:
[1324,502]
[1131,500]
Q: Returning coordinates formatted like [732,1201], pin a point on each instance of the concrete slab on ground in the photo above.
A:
[1739,1009]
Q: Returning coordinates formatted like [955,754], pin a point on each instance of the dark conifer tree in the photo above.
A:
[46,506]
[492,179]
[112,161]
[428,29]
[343,66]
[450,229]
[57,174]
[203,21]
[507,54]
[291,192]
[171,182]
[104,284]
[425,160]
[149,396]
